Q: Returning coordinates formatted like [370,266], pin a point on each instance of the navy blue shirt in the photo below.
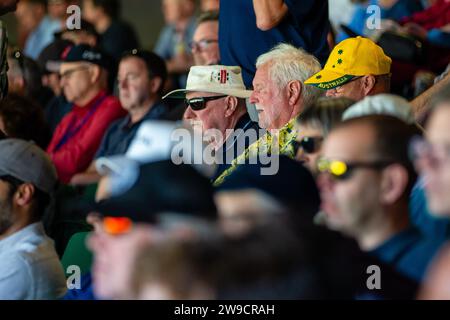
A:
[237,143]
[408,252]
[306,25]
[120,134]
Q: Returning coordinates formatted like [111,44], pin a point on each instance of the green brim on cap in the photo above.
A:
[328,85]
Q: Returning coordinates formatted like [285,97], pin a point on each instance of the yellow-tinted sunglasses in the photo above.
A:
[341,170]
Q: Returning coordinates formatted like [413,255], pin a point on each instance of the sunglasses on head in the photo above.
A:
[199,103]
[341,170]
[308,144]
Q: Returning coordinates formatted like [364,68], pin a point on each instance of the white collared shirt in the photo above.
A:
[29,266]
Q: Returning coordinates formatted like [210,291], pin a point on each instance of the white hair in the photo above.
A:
[288,63]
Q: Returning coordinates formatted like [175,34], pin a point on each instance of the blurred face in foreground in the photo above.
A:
[350,201]
[242,210]
[433,161]
[114,255]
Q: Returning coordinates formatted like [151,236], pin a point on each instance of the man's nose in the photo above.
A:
[123,84]
[253,99]
[324,182]
[189,114]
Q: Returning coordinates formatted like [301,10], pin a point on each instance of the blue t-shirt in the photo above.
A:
[237,143]
[169,44]
[241,42]
[409,252]
[41,37]
[120,134]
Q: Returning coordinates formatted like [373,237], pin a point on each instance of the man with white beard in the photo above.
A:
[280,96]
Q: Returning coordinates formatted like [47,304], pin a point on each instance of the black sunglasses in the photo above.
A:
[200,102]
[308,144]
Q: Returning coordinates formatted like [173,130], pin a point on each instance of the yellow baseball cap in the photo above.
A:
[351,58]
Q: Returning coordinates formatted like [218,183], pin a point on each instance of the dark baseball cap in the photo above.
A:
[162,187]
[86,53]
[51,56]
[27,162]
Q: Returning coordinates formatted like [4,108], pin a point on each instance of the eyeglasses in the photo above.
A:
[341,170]
[422,151]
[202,44]
[117,226]
[199,103]
[308,144]
[69,72]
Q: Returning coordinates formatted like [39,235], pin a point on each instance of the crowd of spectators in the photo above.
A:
[263,149]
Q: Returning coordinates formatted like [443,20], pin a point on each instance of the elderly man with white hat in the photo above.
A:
[215,100]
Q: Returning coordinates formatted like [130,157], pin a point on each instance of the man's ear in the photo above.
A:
[95,72]
[231,104]
[395,179]
[24,194]
[368,83]
[294,92]
[155,85]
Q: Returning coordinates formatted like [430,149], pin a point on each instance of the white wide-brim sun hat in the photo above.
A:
[218,79]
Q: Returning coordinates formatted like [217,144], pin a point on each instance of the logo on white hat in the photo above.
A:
[221,76]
